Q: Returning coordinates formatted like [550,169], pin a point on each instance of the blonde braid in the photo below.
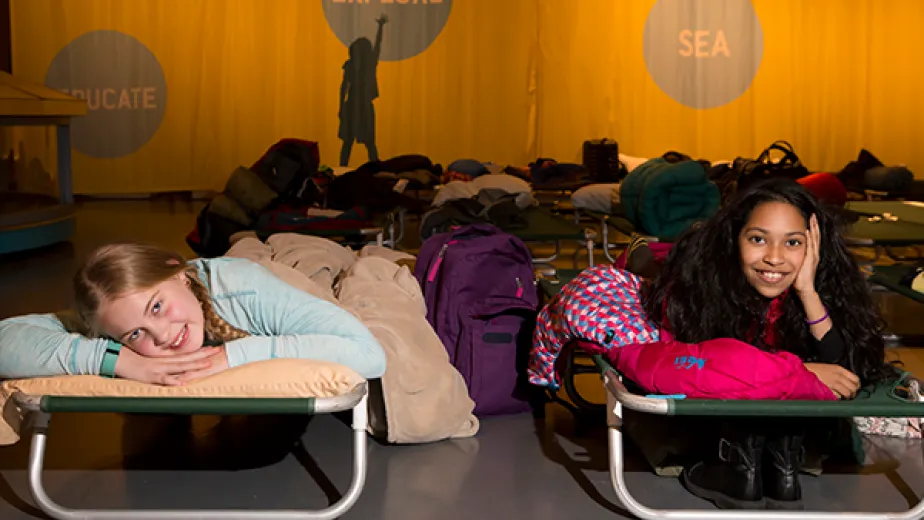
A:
[216,329]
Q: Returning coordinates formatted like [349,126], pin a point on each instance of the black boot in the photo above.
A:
[783,457]
[733,479]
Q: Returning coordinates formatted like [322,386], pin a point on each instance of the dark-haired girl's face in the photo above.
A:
[772,247]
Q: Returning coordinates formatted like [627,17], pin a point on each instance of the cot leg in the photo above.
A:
[550,259]
[617,477]
[54,510]
[402,214]
[589,242]
[605,229]
[581,407]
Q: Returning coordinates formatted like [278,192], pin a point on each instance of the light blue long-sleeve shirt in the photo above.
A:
[283,322]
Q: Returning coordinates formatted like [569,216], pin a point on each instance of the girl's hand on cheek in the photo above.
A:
[804,283]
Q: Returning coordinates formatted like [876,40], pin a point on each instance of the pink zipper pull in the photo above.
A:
[519,288]
[436,265]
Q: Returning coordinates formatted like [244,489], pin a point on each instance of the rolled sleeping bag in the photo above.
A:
[888,178]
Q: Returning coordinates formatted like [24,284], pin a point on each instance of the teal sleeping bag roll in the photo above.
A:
[663,199]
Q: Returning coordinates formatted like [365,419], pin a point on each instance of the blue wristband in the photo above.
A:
[110,357]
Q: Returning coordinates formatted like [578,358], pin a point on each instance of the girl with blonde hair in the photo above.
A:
[179,321]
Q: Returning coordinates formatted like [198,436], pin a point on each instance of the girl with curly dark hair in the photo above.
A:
[771,269]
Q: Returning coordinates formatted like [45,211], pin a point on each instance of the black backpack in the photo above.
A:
[743,172]
[290,168]
[601,158]
[211,236]
[748,171]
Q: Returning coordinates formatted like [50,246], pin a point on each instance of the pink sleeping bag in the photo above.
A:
[714,369]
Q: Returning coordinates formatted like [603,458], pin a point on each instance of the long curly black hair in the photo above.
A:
[702,293]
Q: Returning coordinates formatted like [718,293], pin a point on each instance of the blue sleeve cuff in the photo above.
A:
[110,357]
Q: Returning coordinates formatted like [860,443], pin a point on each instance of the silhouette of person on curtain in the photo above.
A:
[357,91]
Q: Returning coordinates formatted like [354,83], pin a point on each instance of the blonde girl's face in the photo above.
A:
[165,320]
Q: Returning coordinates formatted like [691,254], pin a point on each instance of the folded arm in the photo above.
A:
[39,345]
[832,349]
[286,322]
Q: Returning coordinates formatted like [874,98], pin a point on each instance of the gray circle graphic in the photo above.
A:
[412,24]
[125,90]
[703,53]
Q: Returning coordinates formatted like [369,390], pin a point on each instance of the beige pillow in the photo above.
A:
[595,197]
[272,378]
[631,162]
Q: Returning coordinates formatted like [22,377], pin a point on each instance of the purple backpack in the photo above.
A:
[478,285]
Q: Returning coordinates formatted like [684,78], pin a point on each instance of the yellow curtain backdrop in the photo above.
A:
[505,81]
[836,75]
[242,74]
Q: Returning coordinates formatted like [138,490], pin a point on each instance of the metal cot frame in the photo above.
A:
[388,231]
[40,408]
[883,225]
[559,229]
[613,222]
[618,397]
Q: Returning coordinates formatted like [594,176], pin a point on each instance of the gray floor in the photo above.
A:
[516,467]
